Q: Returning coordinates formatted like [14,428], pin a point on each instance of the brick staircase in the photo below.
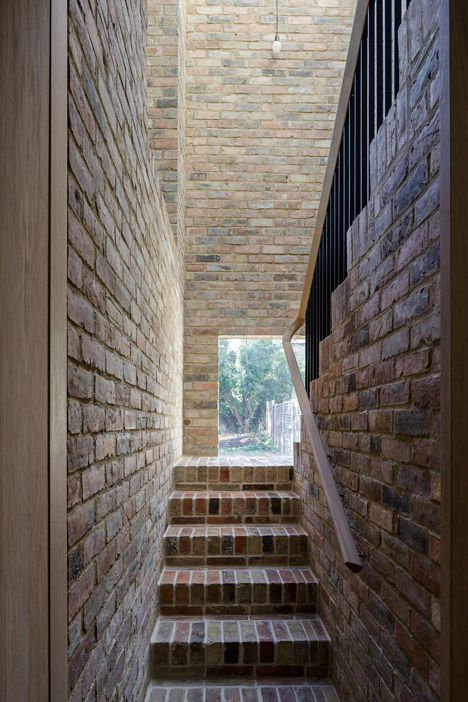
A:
[237,598]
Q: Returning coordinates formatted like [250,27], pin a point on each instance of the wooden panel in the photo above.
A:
[58,353]
[24,294]
[454,264]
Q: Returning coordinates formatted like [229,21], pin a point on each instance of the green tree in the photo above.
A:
[249,376]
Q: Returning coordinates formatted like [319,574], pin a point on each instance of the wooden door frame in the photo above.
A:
[58,353]
[454,312]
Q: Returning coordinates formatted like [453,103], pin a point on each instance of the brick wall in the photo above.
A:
[181,128]
[258,132]
[378,403]
[166,62]
[125,310]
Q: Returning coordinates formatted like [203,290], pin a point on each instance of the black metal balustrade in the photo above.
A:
[375,86]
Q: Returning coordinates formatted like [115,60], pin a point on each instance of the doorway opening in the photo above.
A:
[258,409]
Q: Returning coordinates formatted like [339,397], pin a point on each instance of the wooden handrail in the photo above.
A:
[343,531]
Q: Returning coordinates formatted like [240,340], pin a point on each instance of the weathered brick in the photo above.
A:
[125,312]
[411,422]
[80,521]
[93,481]
[385,449]
[395,344]
[412,534]
[413,306]
[80,383]
[93,418]
[395,394]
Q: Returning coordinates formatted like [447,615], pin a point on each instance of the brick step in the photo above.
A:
[240,545]
[201,648]
[237,591]
[254,691]
[233,477]
[234,507]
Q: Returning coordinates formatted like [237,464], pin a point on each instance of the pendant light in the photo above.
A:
[276,47]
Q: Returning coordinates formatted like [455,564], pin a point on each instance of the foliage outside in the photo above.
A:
[252,372]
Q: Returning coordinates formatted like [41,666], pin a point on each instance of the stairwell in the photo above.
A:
[237,596]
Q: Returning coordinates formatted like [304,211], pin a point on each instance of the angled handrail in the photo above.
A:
[340,521]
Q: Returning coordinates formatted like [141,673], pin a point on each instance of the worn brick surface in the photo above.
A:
[234,599]
[243,691]
[239,506]
[125,309]
[257,131]
[227,473]
[259,590]
[191,648]
[378,403]
[277,544]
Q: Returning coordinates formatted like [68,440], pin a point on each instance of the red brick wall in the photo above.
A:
[125,310]
[378,403]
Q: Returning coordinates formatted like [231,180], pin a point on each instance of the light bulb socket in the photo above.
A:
[276,47]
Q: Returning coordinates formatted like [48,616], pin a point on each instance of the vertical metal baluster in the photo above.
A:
[388,75]
[364,118]
[336,227]
[313,326]
[357,150]
[379,68]
[396,49]
[308,350]
[340,237]
[338,216]
[353,152]
[321,286]
[328,265]
[309,337]
[337,211]
[371,81]
[344,191]
[331,253]
[319,315]
[348,181]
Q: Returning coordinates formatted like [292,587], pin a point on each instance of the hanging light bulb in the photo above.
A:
[276,46]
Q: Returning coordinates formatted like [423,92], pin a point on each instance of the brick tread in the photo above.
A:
[239,506]
[236,545]
[237,590]
[201,647]
[243,691]
[266,461]
[233,477]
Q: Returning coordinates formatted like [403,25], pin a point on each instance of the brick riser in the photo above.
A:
[251,647]
[237,591]
[233,478]
[238,507]
[237,599]
[244,692]
[244,545]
